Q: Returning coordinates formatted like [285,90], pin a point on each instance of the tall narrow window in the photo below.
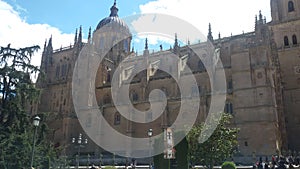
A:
[57,71]
[108,79]
[125,45]
[117,119]
[286,41]
[64,70]
[229,86]
[228,108]
[291,6]
[134,96]
[294,39]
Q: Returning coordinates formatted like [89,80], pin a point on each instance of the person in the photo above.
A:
[281,163]
[93,167]
[133,162]
[297,160]
[273,161]
[260,165]
[266,165]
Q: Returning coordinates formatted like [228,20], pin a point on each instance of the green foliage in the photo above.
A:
[110,167]
[159,161]
[16,130]
[182,153]
[217,148]
[228,165]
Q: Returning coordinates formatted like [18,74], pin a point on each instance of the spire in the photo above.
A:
[49,47]
[176,45]
[260,20]
[114,10]
[146,44]
[80,35]
[46,53]
[255,19]
[45,45]
[146,51]
[75,39]
[209,36]
[219,35]
[90,36]
[176,41]
[260,15]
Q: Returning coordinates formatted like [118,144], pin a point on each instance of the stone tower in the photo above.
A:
[285,29]
[285,10]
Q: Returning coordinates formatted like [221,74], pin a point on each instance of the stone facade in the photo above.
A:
[262,71]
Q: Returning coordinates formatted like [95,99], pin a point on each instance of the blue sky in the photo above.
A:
[67,15]
[31,22]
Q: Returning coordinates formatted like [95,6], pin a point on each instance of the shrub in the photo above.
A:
[110,167]
[228,165]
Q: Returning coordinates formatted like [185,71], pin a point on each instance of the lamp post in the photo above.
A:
[150,132]
[100,161]
[36,122]
[80,143]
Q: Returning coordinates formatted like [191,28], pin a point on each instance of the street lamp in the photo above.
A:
[80,143]
[36,122]
[150,132]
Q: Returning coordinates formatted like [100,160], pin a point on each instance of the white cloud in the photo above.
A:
[161,27]
[226,17]
[16,31]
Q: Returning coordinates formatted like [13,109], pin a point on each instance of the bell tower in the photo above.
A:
[285,10]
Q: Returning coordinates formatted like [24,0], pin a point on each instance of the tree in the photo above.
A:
[16,91]
[181,152]
[219,146]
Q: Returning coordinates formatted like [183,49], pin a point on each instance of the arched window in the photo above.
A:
[108,79]
[291,6]
[117,119]
[294,39]
[134,96]
[64,70]
[286,41]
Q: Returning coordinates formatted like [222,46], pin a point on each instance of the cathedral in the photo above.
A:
[262,70]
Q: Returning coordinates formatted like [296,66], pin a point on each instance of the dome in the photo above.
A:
[113,19]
